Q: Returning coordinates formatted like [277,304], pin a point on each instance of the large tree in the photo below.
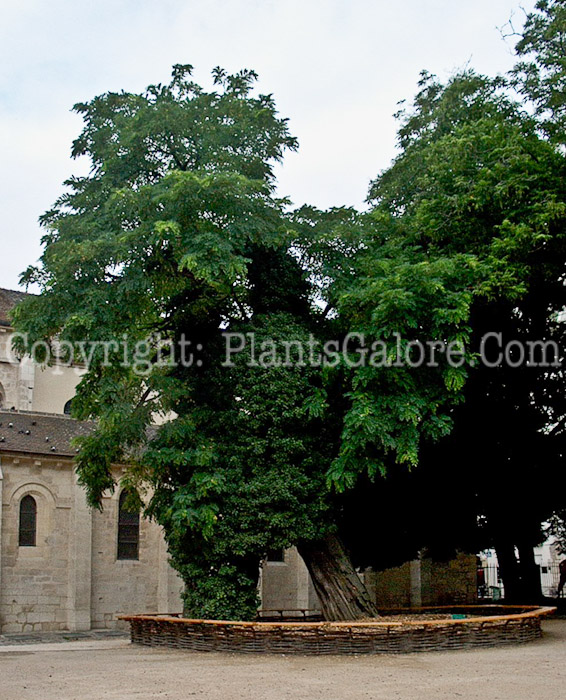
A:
[482,174]
[177,235]
[174,240]
[476,177]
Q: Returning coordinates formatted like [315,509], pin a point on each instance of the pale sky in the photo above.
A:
[337,69]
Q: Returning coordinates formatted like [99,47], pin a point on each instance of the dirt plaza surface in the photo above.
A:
[91,669]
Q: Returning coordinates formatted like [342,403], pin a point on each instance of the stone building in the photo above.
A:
[64,566]
[285,585]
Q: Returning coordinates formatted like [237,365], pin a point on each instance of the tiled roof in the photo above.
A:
[39,433]
[8,299]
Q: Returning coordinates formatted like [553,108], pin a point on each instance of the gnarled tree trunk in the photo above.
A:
[341,592]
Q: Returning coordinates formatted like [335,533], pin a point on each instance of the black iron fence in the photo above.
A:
[490,584]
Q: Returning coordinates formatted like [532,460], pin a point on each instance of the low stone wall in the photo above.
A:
[424,582]
[490,626]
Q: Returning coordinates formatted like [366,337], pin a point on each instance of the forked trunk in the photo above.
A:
[341,592]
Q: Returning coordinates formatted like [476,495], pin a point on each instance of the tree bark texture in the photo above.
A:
[342,594]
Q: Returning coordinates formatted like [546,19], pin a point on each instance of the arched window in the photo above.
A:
[28,521]
[2,399]
[67,408]
[128,530]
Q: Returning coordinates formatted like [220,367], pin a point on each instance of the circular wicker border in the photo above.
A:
[513,625]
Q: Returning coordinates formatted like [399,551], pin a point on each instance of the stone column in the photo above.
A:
[416,583]
[303,581]
[26,384]
[80,560]
[162,574]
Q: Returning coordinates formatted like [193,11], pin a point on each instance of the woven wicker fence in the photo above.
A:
[494,626]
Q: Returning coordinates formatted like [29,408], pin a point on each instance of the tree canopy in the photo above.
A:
[177,239]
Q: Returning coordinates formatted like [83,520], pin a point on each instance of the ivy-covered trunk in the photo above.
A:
[341,592]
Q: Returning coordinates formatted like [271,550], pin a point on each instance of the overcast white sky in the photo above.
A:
[337,69]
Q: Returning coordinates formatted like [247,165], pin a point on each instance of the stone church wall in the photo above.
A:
[129,586]
[34,584]
[72,579]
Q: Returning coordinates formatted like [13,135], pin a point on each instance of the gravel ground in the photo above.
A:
[92,669]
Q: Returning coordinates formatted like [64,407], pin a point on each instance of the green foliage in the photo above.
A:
[478,194]
[177,233]
[466,213]
[540,74]
[219,594]
[401,298]
[242,473]
[166,237]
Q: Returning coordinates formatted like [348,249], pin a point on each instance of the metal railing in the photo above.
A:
[490,584]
